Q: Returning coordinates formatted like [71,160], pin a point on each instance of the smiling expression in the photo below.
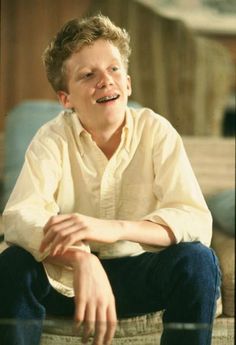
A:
[97,86]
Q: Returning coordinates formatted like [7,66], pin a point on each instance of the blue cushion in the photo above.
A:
[222,207]
[22,122]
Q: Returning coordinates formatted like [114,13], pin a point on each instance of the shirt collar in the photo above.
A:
[78,130]
[77,124]
[127,131]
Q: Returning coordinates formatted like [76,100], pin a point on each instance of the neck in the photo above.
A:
[108,141]
[107,137]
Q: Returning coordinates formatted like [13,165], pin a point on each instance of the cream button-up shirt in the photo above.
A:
[149,177]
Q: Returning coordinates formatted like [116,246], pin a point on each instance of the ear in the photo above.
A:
[64,99]
[129,88]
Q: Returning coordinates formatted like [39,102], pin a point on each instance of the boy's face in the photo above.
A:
[98,86]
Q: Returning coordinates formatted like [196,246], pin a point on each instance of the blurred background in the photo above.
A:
[182,65]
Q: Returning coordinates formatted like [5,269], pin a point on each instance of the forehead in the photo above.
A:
[100,52]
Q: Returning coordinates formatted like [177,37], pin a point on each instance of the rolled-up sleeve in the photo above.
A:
[181,205]
[33,199]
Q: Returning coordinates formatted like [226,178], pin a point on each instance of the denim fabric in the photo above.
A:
[183,279]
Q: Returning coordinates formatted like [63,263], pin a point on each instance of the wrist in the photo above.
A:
[70,258]
[81,256]
[120,228]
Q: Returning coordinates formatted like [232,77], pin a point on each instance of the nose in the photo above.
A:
[104,80]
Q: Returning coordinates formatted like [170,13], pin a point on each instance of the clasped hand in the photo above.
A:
[63,231]
[94,299]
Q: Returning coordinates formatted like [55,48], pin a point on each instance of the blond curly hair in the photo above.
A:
[73,36]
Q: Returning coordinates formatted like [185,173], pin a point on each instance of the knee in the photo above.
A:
[16,264]
[195,252]
[15,256]
[199,263]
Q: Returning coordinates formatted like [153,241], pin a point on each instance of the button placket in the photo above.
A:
[107,192]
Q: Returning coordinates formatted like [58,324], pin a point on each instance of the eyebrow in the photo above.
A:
[80,69]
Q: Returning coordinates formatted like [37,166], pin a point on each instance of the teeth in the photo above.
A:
[106,98]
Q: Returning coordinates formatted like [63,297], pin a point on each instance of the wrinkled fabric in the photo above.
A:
[149,177]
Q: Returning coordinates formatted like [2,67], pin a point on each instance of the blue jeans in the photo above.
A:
[183,279]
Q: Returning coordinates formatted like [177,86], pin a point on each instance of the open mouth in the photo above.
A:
[106,99]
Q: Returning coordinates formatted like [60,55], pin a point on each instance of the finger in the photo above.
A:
[45,242]
[111,325]
[89,322]
[49,235]
[56,231]
[72,239]
[63,237]
[55,220]
[100,327]
[79,312]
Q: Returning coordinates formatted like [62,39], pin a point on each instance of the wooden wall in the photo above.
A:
[26,28]
[185,78]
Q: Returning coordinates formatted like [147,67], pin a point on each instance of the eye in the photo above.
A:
[88,75]
[114,68]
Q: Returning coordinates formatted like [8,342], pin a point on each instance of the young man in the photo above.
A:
[106,219]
